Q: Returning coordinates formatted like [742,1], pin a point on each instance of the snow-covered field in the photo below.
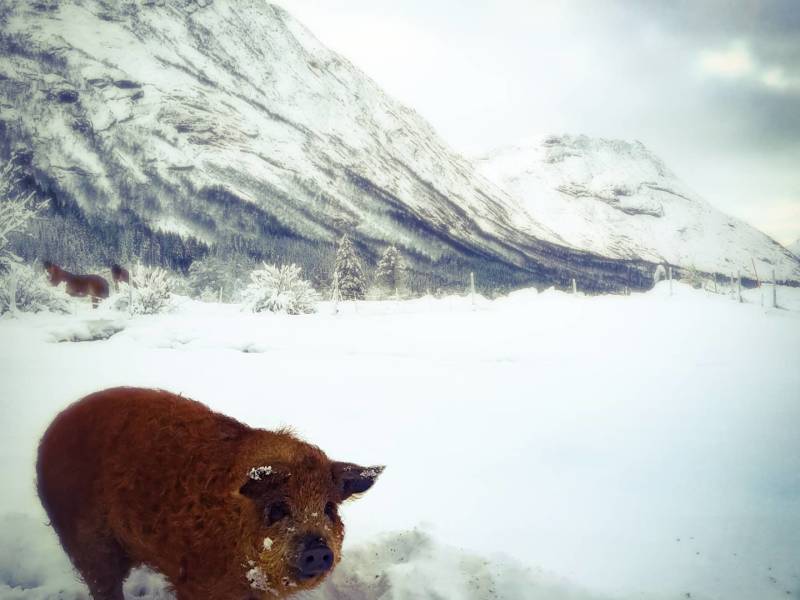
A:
[540,446]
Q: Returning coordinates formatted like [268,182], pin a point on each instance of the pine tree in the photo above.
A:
[349,275]
[389,273]
[217,278]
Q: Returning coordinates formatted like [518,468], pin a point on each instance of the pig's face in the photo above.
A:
[300,532]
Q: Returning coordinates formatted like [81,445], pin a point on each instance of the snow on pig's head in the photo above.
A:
[299,532]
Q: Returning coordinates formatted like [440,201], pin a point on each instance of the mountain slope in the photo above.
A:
[229,122]
[795,248]
[152,124]
[617,199]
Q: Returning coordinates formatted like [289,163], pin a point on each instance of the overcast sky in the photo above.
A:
[711,86]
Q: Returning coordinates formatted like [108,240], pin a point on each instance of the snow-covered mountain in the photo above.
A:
[154,123]
[795,248]
[227,120]
[617,199]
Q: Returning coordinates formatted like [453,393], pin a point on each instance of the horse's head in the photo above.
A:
[53,272]
[119,273]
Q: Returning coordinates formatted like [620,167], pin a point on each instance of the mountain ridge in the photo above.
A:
[618,199]
[795,248]
[228,127]
[230,120]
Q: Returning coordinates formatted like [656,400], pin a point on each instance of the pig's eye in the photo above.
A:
[276,512]
[330,511]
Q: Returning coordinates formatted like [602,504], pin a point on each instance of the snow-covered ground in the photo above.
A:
[541,446]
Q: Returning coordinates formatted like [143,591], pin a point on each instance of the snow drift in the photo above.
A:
[396,566]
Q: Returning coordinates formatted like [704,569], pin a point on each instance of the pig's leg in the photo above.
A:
[102,563]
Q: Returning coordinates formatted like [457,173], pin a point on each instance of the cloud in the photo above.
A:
[738,62]
[777,79]
[735,61]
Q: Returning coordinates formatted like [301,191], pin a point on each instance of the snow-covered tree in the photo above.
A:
[693,277]
[24,288]
[391,269]
[217,279]
[149,292]
[348,274]
[16,210]
[280,289]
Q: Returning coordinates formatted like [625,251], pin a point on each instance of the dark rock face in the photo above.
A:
[126,84]
[82,125]
[66,96]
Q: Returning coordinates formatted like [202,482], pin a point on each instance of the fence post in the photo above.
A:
[574,286]
[774,290]
[669,270]
[758,281]
[12,292]
[335,294]
[739,285]
[472,287]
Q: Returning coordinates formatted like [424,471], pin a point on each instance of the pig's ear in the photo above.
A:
[353,479]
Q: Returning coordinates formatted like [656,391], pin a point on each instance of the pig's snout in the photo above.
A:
[315,558]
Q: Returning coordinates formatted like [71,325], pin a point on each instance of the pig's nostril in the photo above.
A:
[315,559]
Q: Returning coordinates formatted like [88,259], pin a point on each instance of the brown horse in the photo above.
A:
[78,285]
[118,274]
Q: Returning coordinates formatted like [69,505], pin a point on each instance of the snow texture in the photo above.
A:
[258,473]
[280,289]
[414,565]
[639,446]
[258,579]
[618,199]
